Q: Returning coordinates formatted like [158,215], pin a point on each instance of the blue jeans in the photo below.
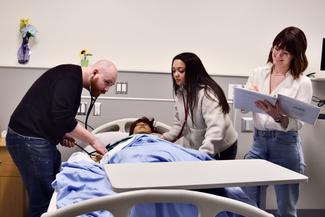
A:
[284,149]
[38,161]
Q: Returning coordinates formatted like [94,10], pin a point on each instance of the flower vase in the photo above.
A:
[84,62]
[24,52]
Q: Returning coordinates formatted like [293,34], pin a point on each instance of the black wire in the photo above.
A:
[92,102]
[93,153]
[84,124]
[321,116]
[320,102]
[311,75]
[108,147]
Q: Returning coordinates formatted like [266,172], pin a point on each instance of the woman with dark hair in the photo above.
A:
[201,110]
[276,136]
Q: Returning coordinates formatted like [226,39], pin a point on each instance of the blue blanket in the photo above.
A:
[81,178]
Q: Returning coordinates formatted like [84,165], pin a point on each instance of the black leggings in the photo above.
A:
[228,154]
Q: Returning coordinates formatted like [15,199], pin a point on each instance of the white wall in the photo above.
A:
[231,36]
[14,83]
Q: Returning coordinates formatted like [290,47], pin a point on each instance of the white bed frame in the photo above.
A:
[120,204]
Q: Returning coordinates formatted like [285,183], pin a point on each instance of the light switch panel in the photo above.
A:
[97,106]
[247,124]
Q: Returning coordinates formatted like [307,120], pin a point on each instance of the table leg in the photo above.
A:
[262,197]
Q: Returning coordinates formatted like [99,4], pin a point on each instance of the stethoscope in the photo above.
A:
[92,102]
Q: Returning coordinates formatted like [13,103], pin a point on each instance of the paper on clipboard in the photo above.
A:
[245,99]
[299,110]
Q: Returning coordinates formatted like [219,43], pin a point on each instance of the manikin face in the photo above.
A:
[142,128]
[281,57]
[178,70]
[101,82]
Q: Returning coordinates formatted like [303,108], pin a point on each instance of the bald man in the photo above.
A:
[45,117]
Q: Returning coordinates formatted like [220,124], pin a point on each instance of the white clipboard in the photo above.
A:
[245,99]
[299,110]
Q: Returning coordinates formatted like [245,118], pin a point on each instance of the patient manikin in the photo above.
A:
[140,126]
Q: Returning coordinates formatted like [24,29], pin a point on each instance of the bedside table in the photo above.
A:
[13,200]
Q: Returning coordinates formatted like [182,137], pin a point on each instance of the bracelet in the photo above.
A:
[279,118]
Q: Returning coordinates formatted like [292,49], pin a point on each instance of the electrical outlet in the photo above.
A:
[118,88]
[82,108]
[121,87]
[97,106]
[124,87]
[247,124]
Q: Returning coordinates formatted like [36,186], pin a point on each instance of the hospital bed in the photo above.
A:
[113,131]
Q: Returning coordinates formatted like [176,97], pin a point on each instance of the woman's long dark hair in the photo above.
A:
[197,77]
[293,40]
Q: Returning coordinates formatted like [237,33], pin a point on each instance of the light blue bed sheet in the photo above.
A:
[81,178]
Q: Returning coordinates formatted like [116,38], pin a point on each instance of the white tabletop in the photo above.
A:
[198,174]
